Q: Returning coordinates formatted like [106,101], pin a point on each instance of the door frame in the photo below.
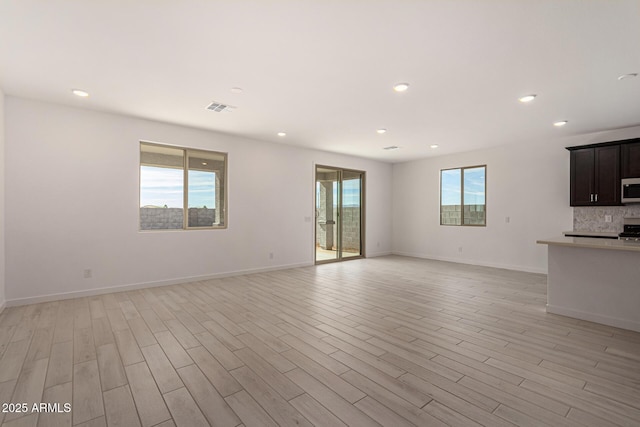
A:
[339,170]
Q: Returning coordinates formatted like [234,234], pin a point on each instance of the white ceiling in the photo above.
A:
[322,71]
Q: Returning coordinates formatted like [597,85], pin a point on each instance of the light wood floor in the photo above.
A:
[392,341]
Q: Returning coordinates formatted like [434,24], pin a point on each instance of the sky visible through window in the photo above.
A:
[451,187]
[164,186]
[350,193]
[474,186]
[202,189]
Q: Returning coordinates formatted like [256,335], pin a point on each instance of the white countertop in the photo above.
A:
[591,234]
[593,243]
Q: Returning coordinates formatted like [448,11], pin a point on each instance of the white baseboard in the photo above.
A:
[134,286]
[377,254]
[523,268]
[596,318]
[179,280]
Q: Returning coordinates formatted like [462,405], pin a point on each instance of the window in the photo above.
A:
[176,180]
[462,196]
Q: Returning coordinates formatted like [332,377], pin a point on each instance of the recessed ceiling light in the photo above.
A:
[560,123]
[204,163]
[401,87]
[627,76]
[391,147]
[381,131]
[527,98]
[80,93]
[237,90]
[282,134]
[433,146]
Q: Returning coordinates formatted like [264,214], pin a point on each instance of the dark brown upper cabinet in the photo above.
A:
[595,176]
[631,160]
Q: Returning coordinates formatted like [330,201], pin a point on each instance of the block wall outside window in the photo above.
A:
[175,180]
[463,196]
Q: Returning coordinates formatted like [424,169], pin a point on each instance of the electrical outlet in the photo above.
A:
[460,249]
[88,273]
[608,218]
[270,255]
[507,219]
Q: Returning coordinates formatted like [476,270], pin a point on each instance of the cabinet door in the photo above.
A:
[607,175]
[582,174]
[631,160]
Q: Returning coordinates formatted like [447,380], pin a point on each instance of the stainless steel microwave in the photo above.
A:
[631,190]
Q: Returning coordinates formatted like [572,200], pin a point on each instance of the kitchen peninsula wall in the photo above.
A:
[592,218]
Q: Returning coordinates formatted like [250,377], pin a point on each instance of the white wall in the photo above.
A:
[604,136]
[72,204]
[2,208]
[528,183]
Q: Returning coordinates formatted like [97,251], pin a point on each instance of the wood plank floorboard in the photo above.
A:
[383,341]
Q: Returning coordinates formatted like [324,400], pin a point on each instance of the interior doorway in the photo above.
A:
[339,230]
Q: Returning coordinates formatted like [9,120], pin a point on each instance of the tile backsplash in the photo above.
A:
[591,218]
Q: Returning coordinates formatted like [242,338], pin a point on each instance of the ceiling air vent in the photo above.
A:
[219,108]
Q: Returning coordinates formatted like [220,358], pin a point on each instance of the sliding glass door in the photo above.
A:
[339,214]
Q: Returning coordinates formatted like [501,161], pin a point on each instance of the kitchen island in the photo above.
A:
[594,279]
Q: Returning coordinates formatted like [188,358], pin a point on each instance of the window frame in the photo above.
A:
[187,153]
[462,169]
